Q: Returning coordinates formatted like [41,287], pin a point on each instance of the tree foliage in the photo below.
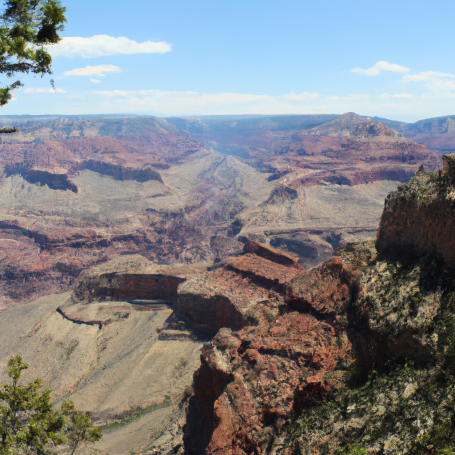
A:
[26,27]
[30,425]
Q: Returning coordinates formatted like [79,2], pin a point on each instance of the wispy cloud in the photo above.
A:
[98,70]
[103,45]
[201,99]
[44,90]
[426,76]
[439,84]
[381,66]
[302,96]
[196,103]
[95,81]
[408,96]
[110,93]
[352,97]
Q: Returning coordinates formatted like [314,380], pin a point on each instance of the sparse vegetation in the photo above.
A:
[27,26]
[147,410]
[30,425]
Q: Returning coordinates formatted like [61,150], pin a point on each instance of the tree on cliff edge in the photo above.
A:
[29,424]
[26,27]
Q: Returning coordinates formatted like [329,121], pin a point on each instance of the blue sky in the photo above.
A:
[196,57]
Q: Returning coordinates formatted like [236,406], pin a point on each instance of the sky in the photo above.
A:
[392,59]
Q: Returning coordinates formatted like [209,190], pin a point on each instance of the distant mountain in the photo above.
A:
[248,123]
[394,124]
[351,124]
[19,119]
[436,125]
[438,134]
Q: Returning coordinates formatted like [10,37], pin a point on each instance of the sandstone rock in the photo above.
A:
[418,218]
[277,361]
[280,194]
[223,297]
[262,367]
[216,299]
[272,254]
[142,174]
[324,291]
[132,277]
[263,271]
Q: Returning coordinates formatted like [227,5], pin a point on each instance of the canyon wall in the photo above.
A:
[347,351]
[418,218]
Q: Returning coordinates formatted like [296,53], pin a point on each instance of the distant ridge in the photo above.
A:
[235,124]
[8,119]
[351,124]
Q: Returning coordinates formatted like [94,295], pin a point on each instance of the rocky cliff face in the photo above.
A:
[418,218]
[355,356]
[132,277]
[274,349]
[143,174]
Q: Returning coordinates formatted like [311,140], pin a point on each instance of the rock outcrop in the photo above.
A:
[132,278]
[224,297]
[143,174]
[272,254]
[350,357]
[54,180]
[256,374]
[418,218]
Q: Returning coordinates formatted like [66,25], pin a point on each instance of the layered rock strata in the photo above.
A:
[79,192]
[132,277]
[355,356]
[256,374]
[223,297]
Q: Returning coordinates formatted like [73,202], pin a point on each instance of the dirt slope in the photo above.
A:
[114,370]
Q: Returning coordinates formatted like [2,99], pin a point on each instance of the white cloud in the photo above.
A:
[381,66]
[302,96]
[102,45]
[110,93]
[425,76]
[44,90]
[408,96]
[352,97]
[439,84]
[165,103]
[188,97]
[95,81]
[97,70]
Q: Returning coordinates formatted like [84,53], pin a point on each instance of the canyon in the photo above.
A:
[220,285]
[76,192]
